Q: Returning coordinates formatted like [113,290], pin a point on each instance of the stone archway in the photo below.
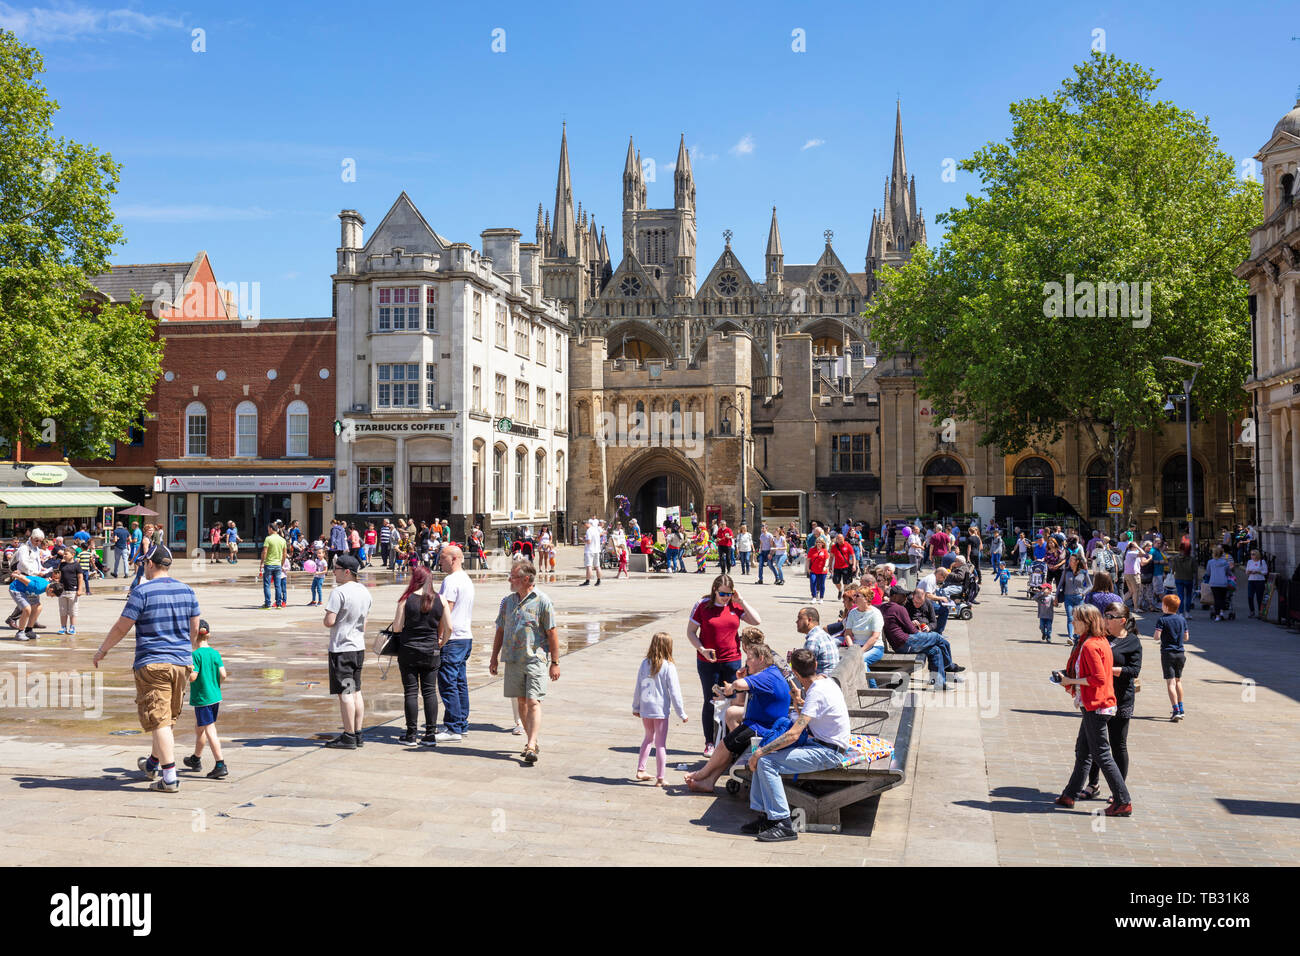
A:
[656,478]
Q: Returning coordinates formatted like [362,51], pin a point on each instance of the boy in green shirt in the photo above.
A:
[206,675]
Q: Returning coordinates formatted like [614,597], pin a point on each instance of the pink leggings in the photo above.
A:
[656,732]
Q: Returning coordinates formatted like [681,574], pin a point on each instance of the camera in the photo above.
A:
[1056,677]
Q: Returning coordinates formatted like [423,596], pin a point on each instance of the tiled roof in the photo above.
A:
[120,281]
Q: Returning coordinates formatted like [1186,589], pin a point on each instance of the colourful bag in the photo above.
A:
[866,748]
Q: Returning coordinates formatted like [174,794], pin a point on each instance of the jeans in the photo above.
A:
[744,560]
[120,562]
[317,589]
[419,682]
[941,612]
[1045,628]
[767,793]
[273,576]
[725,560]
[1185,592]
[1070,602]
[995,561]
[713,672]
[873,655]
[780,563]
[1118,734]
[817,584]
[932,646]
[1093,746]
[85,579]
[453,685]
[764,557]
[673,556]
[1255,595]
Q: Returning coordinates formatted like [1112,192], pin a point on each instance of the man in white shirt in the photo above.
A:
[930,584]
[825,716]
[591,554]
[346,611]
[765,544]
[457,593]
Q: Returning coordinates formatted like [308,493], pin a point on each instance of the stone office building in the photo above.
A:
[452,394]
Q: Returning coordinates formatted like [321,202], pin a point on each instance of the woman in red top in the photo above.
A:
[818,559]
[1089,678]
[712,630]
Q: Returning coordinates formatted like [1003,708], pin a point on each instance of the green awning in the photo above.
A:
[44,503]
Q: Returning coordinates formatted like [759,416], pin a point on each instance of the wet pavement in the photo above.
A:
[278,683]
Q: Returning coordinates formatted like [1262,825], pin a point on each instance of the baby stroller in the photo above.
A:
[1037,578]
[657,561]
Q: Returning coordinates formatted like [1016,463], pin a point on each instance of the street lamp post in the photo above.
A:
[744,464]
[1187,419]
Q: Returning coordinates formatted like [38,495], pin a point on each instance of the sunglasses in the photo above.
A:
[1114,617]
[725,593]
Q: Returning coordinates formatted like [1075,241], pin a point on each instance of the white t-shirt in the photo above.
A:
[350,604]
[745,541]
[619,540]
[828,715]
[927,584]
[593,538]
[1131,559]
[1256,570]
[459,590]
[864,623]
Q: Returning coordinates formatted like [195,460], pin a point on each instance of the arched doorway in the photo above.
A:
[1034,476]
[656,478]
[945,486]
[1099,479]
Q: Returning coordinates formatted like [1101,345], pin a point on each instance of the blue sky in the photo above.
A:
[239,149]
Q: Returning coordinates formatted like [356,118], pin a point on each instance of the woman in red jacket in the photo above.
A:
[1089,678]
[818,560]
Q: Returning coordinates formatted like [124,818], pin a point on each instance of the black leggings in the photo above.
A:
[1220,599]
[713,672]
[1255,594]
[1118,730]
[1093,747]
[420,682]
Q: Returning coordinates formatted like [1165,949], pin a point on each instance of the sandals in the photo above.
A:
[530,754]
[1090,792]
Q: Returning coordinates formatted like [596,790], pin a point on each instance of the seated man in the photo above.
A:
[904,637]
[930,584]
[956,579]
[808,623]
[769,701]
[825,716]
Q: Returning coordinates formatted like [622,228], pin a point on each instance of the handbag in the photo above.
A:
[389,642]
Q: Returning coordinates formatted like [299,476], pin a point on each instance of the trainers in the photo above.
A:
[429,740]
[219,772]
[708,750]
[358,739]
[408,738]
[193,762]
[447,735]
[72,630]
[1119,810]
[757,826]
[162,786]
[342,742]
[779,832]
[26,636]
[62,630]
[1176,716]
[143,764]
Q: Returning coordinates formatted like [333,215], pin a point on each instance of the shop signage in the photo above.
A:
[247,483]
[46,474]
[506,425]
[395,428]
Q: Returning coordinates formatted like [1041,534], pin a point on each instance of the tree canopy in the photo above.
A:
[89,370]
[1022,326]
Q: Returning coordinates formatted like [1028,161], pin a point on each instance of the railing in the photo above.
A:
[767,386]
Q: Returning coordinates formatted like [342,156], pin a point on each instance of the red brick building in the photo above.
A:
[240,426]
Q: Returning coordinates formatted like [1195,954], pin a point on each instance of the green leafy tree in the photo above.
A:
[1096,184]
[89,369]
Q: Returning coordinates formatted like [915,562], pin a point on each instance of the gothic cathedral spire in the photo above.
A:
[565,226]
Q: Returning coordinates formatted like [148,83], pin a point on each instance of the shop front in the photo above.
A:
[54,498]
[197,502]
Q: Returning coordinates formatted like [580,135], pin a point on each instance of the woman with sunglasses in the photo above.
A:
[713,631]
[1126,652]
[1089,677]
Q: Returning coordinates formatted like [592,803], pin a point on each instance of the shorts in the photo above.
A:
[345,671]
[737,741]
[1172,665]
[22,600]
[842,576]
[206,714]
[591,559]
[526,680]
[68,604]
[160,694]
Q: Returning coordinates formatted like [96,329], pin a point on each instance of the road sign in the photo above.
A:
[1190,517]
[1114,502]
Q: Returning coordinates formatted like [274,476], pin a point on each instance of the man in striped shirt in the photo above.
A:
[386,543]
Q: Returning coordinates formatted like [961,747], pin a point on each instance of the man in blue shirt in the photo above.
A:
[26,592]
[165,615]
[121,546]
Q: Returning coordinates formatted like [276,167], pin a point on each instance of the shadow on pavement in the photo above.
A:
[116,783]
[1260,808]
[1046,713]
[1014,800]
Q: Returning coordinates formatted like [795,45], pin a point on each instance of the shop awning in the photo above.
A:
[57,503]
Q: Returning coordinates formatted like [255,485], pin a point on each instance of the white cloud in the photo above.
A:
[196,213]
[745,146]
[72,21]
[813,144]
[698,155]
